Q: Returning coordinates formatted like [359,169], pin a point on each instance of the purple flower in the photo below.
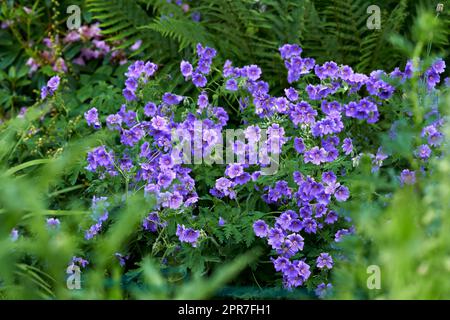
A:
[340,233]
[199,80]
[14,235]
[281,189]
[260,228]
[432,78]
[316,155]
[283,220]
[91,117]
[328,177]
[122,259]
[331,217]
[151,222]
[114,121]
[408,177]
[186,69]
[159,123]
[188,235]
[234,170]
[129,95]
[149,69]
[150,109]
[299,145]
[310,225]
[44,92]
[322,289]
[128,117]
[231,85]
[253,72]
[175,200]
[136,45]
[171,99]
[196,16]
[131,84]
[51,87]
[303,269]
[93,231]
[99,157]
[53,84]
[347,146]
[342,194]
[204,66]
[165,178]
[276,238]
[324,261]
[80,261]
[228,70]
[295,225]
[423,152]
[291,94]
[330,69]
[297,242]
[53,222]
[439,66]
[202,100]
[221,222]
[280,263]
[166,162]
[206,52]
[290,50]
[132,136]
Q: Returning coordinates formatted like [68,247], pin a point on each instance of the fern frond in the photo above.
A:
[186,32]
[375,49]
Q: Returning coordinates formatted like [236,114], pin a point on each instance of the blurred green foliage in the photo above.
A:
[405,232]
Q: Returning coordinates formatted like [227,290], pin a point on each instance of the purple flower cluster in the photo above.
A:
[91,117]
[78,261]
[53,223]
[431,139]
[312,200]
[48,56]
[138,71]
[433,136]
[323,289]
[99,158]
[100,215]
[188,235]
[152,222]
[364,109]
[94,47]
[235,174]
[198,75]
[408,177]
[296,65]
[149,158]
[51,87]
[432,74]
[122,259]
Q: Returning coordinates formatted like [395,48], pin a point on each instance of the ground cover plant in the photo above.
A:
[151,154]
